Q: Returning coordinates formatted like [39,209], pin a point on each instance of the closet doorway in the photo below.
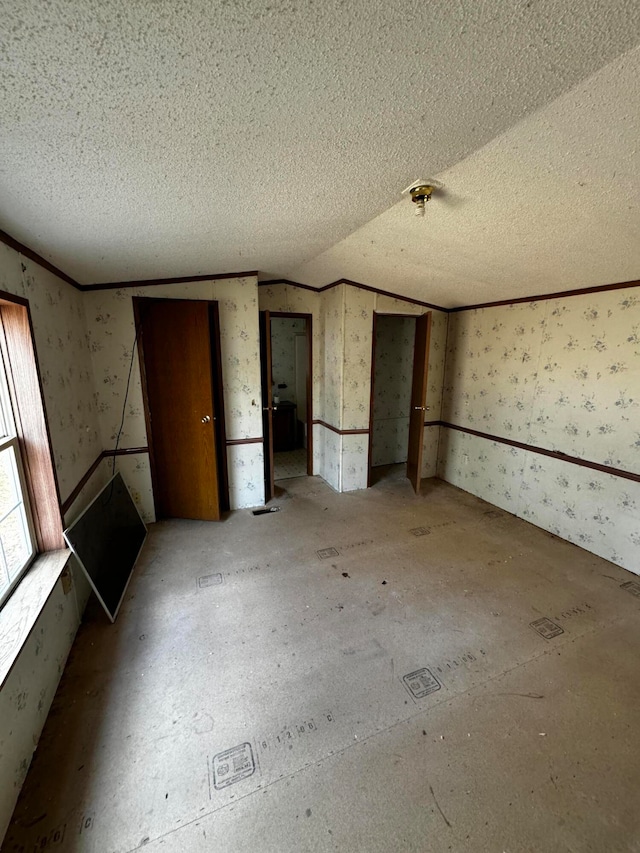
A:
[286,396]
[180,369]
[399,369]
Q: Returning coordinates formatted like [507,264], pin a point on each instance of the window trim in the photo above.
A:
[17,344]
[13,443]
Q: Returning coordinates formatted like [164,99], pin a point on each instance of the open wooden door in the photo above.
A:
[418,400]
[267,404]
[175,350]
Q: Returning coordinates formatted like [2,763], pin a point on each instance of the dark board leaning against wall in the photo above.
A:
[107,539]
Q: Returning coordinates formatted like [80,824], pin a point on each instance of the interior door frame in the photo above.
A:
[377,314]
[219,430]
[296,315]
[419,383]
[266,384]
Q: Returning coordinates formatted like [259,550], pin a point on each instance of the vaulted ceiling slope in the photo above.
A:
[150,139]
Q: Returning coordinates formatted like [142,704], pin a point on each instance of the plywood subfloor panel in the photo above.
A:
[370,671]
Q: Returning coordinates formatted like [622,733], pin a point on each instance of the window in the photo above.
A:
[30,516]
[17,539]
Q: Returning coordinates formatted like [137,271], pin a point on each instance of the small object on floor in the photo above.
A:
[383,583]
[266,510]
[346,575]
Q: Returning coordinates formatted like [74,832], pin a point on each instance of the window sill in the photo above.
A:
[21,612]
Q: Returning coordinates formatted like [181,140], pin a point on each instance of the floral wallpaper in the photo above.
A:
[563,374]
[59,330]
[393,376]
[342,338]
[283,357]
[356,371]
[63,356]
[26,695]
[357,377]
[334,347]
[111,339]
[283,297]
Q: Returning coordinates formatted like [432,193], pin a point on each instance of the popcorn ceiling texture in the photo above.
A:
[553,204]
[181,138]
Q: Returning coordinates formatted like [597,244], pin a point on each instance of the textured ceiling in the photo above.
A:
[553,204]
[152,139]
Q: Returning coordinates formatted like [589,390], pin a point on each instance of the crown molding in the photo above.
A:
[19,247]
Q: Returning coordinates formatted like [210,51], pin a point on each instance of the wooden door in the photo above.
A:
[267,404]
[175,348]
[418,400]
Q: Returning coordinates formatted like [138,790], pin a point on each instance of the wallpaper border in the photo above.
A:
[340,431]
[554,454]
[104,454]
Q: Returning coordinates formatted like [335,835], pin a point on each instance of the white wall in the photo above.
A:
[564,375]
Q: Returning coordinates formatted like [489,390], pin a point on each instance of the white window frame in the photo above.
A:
[9,439]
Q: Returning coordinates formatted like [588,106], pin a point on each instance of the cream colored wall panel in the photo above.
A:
[430,444]
[331,471]
[283,297]
[68,390]
[112,334]
[27,694]
[136,472]
[246,475]
[392,305]
[592,509]
[355,455]
[333,384]
[561,374]
[358,325]
[60,336]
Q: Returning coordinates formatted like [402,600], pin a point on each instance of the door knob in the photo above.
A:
[206,419]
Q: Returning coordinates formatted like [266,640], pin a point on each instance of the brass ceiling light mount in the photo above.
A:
[420,192]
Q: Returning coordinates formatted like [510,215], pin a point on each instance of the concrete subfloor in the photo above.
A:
[356,672]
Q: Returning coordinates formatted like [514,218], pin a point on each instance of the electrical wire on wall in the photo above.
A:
[124,403]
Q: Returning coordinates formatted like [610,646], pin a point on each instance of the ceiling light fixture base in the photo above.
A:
[420,192]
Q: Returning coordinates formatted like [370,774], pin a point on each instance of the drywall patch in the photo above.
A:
[232,766]
[421,683]
[420,531]
[546,628]
[631,586]
[210,580]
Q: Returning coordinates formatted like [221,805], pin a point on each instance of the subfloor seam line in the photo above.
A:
[408,719]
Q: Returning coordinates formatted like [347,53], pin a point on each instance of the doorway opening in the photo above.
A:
[399,366]
[286,396]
